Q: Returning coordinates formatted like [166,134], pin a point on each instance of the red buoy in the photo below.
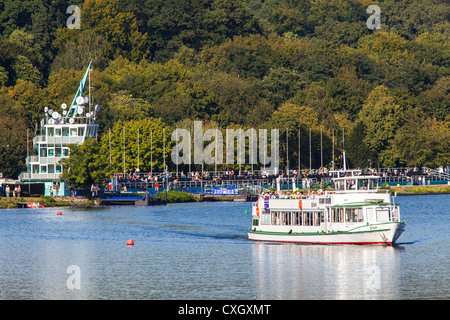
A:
[130,243]
[59,213]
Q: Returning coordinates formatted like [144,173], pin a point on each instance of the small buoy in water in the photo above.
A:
[246,211]
[130,243]
[59,213]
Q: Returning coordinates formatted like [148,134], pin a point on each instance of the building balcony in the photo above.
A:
[32,159]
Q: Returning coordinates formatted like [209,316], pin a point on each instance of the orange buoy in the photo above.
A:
[59,213]
[130,243]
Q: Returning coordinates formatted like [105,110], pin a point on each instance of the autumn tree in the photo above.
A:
[381,117]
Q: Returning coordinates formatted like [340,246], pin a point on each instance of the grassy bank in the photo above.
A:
[8,203]
[179,197]
[432,189]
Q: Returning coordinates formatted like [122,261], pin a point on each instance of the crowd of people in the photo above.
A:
[16,192]
[306,178]
[219,176]
[292,195]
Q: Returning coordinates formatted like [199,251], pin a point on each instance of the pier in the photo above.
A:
[141,198]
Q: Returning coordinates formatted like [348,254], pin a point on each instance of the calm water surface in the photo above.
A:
[201,251]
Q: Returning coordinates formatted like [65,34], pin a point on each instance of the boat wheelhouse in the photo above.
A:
[356,212]
[57,133]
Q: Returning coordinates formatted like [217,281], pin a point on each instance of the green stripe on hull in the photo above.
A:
[314,233]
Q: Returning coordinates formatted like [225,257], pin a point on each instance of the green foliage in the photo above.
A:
[358,152]
[231,63]
[178,197]
[150,146]
[85,166]
[381,117]
[12,146]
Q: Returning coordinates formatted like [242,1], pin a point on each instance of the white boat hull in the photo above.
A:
[385,234]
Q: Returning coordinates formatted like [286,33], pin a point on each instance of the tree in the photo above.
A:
[13,148]
[150,145]
[434,103]
[25,70]
[77,53]
[381,117]
[85,165]
[412,18]
[420,142]
[279,85]
[294,118]
[359,154]
[119,28]
[171,24]
[236,101]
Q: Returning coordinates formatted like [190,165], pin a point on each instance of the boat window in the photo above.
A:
[350,184]
[276,217]
[373,184]
[35,168]
[339,185]
[265,218]
[43,169]
[65,152]
[296,218]
[308,218]
[80,132]
[58,152]
[65,132]
[73,132]
[353,214]
[336,214]
[318,218]
[58,169]
[383,214]
[58,132]
[51,152]
[51,168]
[362,184]
[286,218]
[50,132]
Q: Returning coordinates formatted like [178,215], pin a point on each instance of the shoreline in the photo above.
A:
[421,190]
[48,202]
[180,197]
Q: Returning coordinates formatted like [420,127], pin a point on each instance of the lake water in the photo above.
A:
[200,251]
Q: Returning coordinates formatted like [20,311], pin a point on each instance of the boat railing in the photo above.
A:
[395,214]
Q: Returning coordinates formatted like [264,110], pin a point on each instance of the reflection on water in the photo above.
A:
[201,251]
[291,271]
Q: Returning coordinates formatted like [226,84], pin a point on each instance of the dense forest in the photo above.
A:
[296,65]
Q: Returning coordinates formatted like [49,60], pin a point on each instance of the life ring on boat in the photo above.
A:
[257,211]
[300,204]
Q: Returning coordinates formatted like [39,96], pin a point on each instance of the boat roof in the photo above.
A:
[361,204]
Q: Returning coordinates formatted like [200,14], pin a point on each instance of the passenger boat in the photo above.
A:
[356,212]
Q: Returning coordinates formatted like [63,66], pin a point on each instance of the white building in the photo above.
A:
[58,132]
